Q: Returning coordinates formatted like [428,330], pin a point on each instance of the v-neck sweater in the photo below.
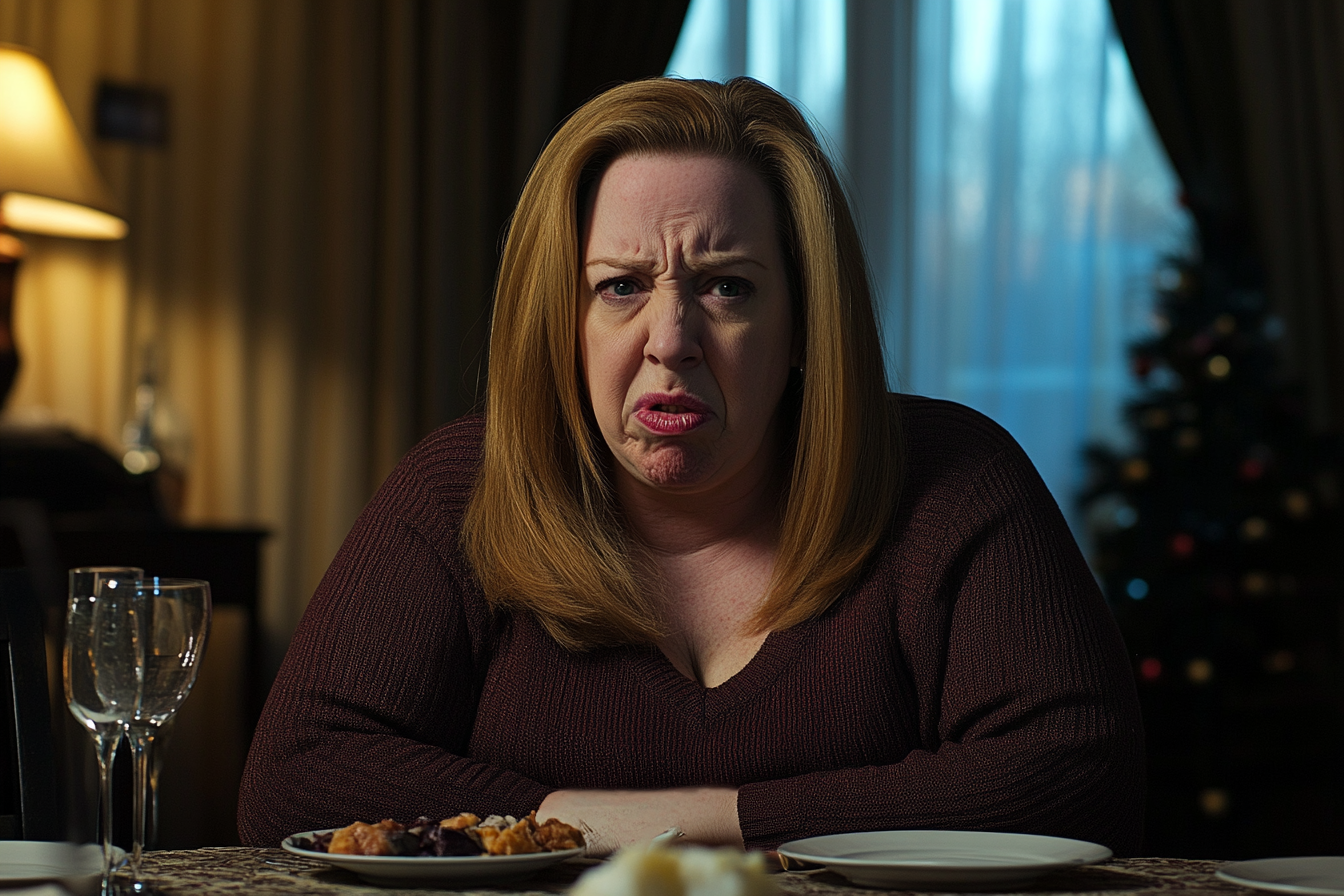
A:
[972,679]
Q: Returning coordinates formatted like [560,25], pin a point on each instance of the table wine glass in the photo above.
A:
[160,736]
[174,617]
[100,666]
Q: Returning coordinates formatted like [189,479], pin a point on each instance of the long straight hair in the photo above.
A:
[543,529]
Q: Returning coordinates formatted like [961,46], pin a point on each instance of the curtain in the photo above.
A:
[311,255]
[849,66]
[1248,97]
[1012,197]
[1041,208]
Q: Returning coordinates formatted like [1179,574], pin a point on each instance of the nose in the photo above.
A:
[673,338]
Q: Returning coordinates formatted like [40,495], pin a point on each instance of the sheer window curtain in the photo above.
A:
[1013,198]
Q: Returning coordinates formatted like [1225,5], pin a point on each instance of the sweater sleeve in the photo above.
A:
[372,710]
[1029,720]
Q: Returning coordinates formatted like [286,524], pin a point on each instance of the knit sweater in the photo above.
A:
[973,678]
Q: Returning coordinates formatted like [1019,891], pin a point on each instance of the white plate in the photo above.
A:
[393,871]
[943,860]
[1319,875]
[35,861]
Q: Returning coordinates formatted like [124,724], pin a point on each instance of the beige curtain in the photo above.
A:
[311,255]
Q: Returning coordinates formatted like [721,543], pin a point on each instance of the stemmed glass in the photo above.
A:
[174,618]
[103,665]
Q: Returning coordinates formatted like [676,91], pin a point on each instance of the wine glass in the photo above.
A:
[156,742]
[174,616]
[101,669]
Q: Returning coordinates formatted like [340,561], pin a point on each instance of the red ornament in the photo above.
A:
[1150,668]
[1182,544]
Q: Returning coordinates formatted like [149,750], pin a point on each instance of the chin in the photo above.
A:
[672,468]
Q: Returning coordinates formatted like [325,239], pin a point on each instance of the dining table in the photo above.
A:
[232,869]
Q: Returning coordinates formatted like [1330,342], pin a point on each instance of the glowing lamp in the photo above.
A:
[48,183]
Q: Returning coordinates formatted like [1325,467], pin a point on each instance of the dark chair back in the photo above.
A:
[28,800]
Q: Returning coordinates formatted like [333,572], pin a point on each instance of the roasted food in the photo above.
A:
[461,835]
[386,838]
[433,838]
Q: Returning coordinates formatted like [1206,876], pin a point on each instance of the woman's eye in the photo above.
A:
[619,288]
[729,289]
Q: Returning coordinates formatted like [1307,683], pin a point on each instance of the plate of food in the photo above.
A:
[943,860]
[464,849]
[1307,875]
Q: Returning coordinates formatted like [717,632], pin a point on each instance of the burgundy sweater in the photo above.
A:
[973,678]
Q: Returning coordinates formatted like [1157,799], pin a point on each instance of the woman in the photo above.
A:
[688,570]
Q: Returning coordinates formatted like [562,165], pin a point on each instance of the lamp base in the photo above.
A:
[9,354]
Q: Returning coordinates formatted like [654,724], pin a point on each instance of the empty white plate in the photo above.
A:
[1309,876]
[943,860]
[36,861]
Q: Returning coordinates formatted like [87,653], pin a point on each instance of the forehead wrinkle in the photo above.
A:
[696,264]
[712,260]
[650,232]
[676,252]
[705,246]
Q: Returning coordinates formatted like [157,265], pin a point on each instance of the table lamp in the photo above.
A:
[48,184]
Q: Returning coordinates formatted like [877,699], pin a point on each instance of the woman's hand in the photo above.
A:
[611,819]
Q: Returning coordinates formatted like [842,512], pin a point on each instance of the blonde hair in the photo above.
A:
[543,529]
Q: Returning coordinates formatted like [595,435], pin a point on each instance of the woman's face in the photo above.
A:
[685,326]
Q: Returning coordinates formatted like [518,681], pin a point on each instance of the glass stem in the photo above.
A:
[157,736]
[107,750]
[140,787]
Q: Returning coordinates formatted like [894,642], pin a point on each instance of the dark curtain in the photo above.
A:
[508,72]
[1248,98]
[386,144]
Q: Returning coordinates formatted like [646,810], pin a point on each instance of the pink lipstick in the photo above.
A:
[666,414]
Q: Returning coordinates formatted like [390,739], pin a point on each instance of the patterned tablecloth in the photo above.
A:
[243,870]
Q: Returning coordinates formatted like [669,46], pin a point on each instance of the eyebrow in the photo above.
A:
[703,262]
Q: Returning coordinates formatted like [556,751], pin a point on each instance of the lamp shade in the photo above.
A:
[48,183]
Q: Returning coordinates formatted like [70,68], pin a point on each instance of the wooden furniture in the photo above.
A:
[69,503]
[207,743]
[228,558]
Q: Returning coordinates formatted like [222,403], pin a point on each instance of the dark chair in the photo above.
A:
[26,540]
[28,800]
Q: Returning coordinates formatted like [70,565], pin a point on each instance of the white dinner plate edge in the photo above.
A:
[60,849]
[925,833]
[1074,853]
[1243,874]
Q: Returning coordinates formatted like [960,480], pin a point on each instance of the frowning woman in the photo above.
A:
[694,565]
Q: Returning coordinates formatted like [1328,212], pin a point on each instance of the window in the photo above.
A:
[1013,196]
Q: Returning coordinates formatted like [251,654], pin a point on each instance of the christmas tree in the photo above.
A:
[1218,541]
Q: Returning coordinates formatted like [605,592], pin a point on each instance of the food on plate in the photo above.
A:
[679,871]
[461,835]
[360,839]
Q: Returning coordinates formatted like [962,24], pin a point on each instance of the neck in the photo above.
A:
[743,510]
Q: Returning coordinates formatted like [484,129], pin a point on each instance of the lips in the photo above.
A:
[669,414]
